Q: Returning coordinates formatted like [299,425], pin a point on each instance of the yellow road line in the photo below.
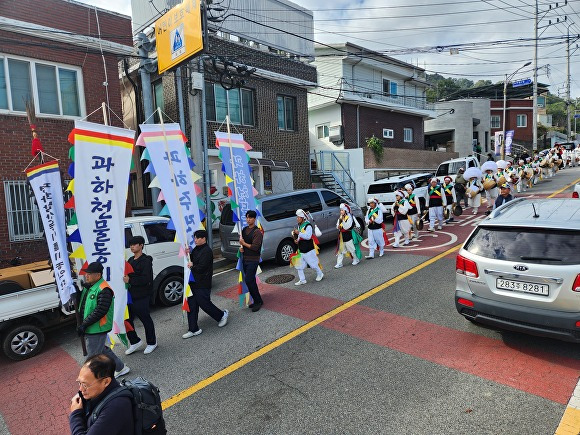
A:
[564,188]
[295,333]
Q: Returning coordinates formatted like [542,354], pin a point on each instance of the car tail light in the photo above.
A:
[465,302]
[574,194]
[578,324]
[576,285]
[466,267]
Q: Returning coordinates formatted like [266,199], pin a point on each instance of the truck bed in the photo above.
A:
[29,301]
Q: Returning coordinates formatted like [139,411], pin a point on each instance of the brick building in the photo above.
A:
[50,54]
[519,118]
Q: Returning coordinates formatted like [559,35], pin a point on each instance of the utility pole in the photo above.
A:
[568,125]
[535,102]
[146,66]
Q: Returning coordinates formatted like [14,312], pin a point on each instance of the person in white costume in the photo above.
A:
[401,224]
[374,221]
[414,210]
[303,237]
[345,225]
[435,200]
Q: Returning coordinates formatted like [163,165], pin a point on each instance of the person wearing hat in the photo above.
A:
[450,197]
[97,307]
[504,195]
[306,256]
[401,225]
[459,188]
[414,210]
[435,200]
[348,242]
[201,265]
[140,282]
[374,221]
[521,170]
[474,185]
[490,194]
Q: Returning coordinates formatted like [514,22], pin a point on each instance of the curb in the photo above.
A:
[570,422]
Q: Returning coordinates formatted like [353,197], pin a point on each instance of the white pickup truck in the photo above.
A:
[27,310]
[450,167]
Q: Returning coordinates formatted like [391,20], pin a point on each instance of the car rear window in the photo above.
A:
[285,207]
[538,245]
[382,188]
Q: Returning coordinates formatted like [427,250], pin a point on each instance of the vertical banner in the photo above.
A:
[509,137]
[241,191]
[497,142]
[102,161]
[45,182]
[171,167]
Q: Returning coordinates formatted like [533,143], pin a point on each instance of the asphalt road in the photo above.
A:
[376,348]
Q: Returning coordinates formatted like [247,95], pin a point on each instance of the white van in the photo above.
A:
[450,167]
[384,189]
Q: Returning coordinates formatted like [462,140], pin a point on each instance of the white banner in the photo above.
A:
[46,185]
[166,149]
[102,161]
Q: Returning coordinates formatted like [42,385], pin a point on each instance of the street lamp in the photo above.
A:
[505,82]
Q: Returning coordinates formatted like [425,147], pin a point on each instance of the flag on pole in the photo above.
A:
[102,160]
[46,185]
[169,161]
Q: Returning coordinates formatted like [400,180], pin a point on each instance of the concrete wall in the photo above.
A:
[461,120]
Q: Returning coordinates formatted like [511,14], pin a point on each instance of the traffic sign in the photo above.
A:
[577,115]
[522,82]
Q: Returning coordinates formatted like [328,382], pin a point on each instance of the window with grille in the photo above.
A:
[23,217]
[495,121]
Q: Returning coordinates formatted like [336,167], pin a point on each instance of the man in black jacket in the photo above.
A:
[96,380]
[140,287]
[201,265]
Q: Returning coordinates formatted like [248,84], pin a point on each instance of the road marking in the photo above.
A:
[564,188]
[570,421]
[224,271]
[173,400]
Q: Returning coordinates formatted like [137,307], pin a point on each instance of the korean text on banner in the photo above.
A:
[509,137]
[166,148]
[46,185]
[102,161]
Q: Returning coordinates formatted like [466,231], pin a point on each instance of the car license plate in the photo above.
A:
[234,243]
[526,287]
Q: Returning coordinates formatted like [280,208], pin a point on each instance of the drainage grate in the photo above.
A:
[280,279]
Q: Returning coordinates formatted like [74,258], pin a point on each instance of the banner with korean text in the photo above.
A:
[46,185]
[101,163]
[241,191]
[171,170]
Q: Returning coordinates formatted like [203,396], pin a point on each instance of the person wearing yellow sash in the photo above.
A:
[401,224]
[374,220]
[414,210]
[435,200]
[348,238]
[306,256]
[450,197]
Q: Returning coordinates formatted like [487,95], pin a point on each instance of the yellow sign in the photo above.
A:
[178,34]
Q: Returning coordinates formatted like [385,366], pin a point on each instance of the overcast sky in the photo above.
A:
[492,37]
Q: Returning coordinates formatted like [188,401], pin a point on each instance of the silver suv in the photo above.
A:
[520,269]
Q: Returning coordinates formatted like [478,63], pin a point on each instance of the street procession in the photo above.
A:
[289,217]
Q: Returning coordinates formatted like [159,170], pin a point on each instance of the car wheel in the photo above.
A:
[171,291]
[285,249]
[22,342]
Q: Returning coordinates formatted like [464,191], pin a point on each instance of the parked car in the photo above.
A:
[159,244]
[450,167]
[520,269]
[278,218]
[385,188]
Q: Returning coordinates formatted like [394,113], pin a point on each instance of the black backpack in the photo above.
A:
[147,411]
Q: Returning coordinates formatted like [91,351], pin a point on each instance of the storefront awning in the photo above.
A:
[274,164]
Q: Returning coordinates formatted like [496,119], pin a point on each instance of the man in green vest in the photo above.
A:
[96,307]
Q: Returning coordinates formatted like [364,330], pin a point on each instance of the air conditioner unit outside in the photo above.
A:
[335,134]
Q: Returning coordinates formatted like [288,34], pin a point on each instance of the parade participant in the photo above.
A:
[348,238]
[374,220]
[450,197]
[474,200]
[536,168]
[97,306]
[201,265]
[490,182]
[460,183]
[96,381]
[140,282]
[504,195]
[401,225]
[511,175]
[304,237]
[521,171]
[414,210]
[435,200]
[251,246]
